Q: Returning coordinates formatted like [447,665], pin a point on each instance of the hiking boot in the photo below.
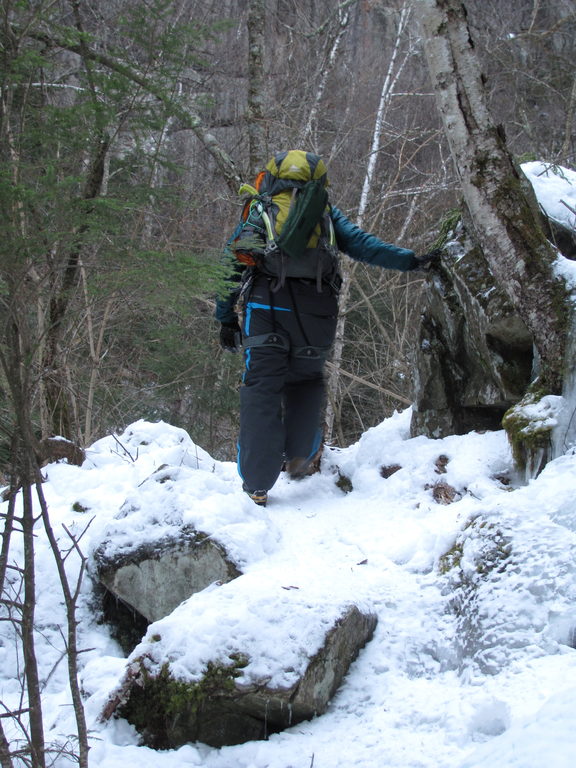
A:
[298,468]
[258,497]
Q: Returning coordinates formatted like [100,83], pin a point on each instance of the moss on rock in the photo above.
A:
[165,710]
[529,425]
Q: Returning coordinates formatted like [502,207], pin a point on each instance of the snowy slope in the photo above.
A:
[409,700]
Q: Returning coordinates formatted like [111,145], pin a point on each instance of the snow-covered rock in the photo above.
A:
[238,662]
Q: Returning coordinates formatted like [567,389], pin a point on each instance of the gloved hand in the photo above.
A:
[231,337]
[427,259]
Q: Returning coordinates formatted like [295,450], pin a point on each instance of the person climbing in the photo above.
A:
[287,291]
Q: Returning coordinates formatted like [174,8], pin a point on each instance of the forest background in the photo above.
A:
[126,128]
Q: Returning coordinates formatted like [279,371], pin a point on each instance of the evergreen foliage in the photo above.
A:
[94,220]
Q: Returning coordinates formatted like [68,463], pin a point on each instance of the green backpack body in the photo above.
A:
[287,230]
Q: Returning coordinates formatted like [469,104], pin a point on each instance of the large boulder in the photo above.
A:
[239,662]
[174,533]
[475,361]
[474,355]
[155,577]
[555,190]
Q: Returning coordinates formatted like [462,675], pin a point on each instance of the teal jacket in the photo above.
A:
[361,246]
[351,240]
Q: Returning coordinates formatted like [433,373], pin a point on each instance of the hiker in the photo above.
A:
[289,305]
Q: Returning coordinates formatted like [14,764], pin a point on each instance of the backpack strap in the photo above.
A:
[327,246]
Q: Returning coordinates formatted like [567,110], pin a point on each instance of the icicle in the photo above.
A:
[536,460]
[564,434]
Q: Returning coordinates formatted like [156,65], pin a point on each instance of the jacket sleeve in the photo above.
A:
[362,246]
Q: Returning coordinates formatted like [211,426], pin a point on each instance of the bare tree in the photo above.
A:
[5,757]
[349,269]
[257,100]
[526,51]
[326,67]
[71,594]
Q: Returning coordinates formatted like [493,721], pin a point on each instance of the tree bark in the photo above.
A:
[5,758]
[28,612]
[506,225]
[256,88]
[569,129]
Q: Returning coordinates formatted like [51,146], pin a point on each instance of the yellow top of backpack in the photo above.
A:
[298,165]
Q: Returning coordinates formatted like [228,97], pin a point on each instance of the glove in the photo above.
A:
[425,261]
[231,337]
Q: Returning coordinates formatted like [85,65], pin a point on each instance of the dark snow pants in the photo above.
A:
[287,336]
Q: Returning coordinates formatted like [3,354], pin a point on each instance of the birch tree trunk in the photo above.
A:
[569,125]
[387,89]
[349,268]
[307,132]
[519,256]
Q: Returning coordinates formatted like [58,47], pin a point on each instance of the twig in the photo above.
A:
[366,383]
[126,451]
[572,210]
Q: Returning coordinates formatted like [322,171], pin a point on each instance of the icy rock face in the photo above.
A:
[474,356]
[255,664]
[530,426]
[502,575]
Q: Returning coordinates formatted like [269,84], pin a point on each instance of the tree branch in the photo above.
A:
[366,383]
[184,114]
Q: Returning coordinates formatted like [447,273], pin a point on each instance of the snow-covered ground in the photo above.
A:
[411,699]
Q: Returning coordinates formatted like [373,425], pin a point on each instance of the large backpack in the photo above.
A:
[286,229]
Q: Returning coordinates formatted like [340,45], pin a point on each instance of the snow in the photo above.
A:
[411,699]
[555,189]
[541,414]
[251,616]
